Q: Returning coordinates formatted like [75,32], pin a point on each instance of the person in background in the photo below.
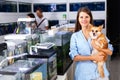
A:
[31,15]
[29,27]
[42,22]
[81,49]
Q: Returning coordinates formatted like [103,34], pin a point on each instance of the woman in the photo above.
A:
[21,29]
[81,49]
[34,24]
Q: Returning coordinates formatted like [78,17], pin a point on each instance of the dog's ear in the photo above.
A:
[101,27]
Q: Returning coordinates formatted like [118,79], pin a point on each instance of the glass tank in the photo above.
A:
[25,25]
[7,28]
[93,6]
[25,7]
[21,37]
[3,54]
[25,70]
[49,56]
[8,6]
[62,40]
[15,47]
[51,7]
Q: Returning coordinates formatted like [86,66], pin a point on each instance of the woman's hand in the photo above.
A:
[98,57]
[106,51]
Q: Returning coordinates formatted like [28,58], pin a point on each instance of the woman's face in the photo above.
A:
[84,19]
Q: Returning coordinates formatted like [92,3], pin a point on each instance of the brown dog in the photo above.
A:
[100,40]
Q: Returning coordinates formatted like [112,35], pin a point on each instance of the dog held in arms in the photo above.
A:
[100,40]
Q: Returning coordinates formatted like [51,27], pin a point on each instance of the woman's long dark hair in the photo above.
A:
[86,10]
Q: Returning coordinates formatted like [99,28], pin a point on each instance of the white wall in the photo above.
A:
[53,15]
[72,15]
[58,15]
[12,17]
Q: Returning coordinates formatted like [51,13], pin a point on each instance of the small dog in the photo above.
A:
[100,40]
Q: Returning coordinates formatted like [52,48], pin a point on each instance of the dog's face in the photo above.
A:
[95,31]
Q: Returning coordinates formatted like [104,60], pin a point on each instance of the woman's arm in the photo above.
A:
[107,51]
[96,57]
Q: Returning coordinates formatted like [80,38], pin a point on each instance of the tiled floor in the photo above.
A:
[115,68]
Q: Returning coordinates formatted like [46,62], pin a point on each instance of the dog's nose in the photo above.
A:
[93,34]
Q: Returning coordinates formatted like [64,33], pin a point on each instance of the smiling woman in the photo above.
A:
[81,49]
[87,13]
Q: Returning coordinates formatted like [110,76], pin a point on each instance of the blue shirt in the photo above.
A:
[85,70]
